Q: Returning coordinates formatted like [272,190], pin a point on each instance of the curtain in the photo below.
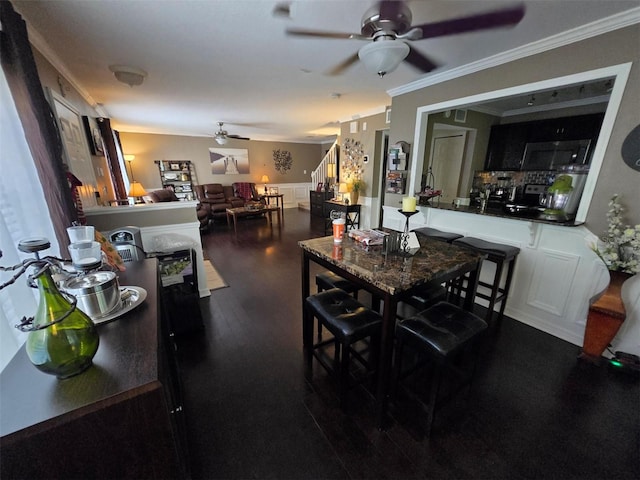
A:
[23,214]
[37,119]
[35,199]
[111,152]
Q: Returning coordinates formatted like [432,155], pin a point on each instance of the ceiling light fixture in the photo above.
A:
[221,138]
[383,56]
[132,76]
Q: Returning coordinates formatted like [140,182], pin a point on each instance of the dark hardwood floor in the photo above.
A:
[533,411]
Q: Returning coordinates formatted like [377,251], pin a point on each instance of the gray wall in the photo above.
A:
[620,46]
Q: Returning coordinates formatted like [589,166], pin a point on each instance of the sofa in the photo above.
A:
[215,198]
[167,195]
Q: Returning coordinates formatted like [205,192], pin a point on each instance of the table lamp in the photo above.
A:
[265,180]
[136,190]
[344,189]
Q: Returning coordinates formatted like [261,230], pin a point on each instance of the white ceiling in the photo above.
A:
[230,61]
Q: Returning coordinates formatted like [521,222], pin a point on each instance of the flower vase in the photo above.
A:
[62,339]
[354,198]
[605,318]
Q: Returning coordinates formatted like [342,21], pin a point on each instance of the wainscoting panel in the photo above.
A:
[551,296]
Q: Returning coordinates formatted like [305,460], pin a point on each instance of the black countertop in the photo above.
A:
[498,212]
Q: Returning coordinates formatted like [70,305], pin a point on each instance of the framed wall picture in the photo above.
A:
[92,132]
[229,161]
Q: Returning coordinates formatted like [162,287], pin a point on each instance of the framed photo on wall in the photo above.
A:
[92,132]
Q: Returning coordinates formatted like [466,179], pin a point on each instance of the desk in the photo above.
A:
[279,203]
[389,277]
[352,222]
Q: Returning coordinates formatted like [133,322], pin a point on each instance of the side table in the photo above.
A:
[279,203]
[352,214]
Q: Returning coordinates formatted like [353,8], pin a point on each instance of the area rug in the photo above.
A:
[214,279]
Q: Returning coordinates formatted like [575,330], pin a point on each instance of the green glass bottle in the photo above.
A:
[60,347]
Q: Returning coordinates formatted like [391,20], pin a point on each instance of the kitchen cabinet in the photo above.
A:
[582,127]
[506,146]
[121,418]
[508,142]
[177,175]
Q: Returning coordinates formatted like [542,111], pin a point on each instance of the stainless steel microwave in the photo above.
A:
[551,155]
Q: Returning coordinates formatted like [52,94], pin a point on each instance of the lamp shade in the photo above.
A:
[383,56]
[331,170]
[129,157]
[264,179]
[343,188]
[136,190]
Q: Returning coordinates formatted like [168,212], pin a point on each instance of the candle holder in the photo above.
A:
[405,236]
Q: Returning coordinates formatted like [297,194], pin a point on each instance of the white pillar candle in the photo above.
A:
[409,204]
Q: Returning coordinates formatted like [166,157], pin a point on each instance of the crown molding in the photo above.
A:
[41,45]
[583,32]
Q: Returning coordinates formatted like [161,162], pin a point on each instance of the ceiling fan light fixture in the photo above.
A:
[132,76]
[221,139]
[383,57]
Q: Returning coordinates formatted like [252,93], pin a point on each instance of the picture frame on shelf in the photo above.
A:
[174,166]
[273,190]
[319,187]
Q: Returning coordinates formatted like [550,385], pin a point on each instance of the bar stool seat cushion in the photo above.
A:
[436,234]
[344,316]
[441,330]
[490,248]
[426,295]
[328,280]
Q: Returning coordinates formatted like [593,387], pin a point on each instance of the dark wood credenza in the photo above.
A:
[122,418]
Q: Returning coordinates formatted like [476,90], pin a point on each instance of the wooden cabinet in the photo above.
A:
[177,175]
[316,200]
[508,142]
[583,127]
[506,146]
[121,418]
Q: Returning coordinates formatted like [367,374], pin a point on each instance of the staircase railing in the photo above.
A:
[328,166]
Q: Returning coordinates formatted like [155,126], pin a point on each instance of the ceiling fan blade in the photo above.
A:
[317,33]
[419,61]
[342,66]
[481,21]
[237,137]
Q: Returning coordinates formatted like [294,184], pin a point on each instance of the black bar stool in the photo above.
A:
[349,322]
[439,334]
[436,234]
[431,294]
[328,280]
[499,254]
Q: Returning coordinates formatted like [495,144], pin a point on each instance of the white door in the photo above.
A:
[76,150]
[446,161]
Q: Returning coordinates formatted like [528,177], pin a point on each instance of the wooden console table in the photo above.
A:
[352,221]
[604,320]
[121,418]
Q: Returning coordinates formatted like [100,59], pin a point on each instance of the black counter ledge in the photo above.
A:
[498,212]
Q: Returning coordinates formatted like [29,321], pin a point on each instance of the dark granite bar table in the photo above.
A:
[389,277]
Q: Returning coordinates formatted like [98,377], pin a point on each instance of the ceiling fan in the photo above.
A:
[388,25]
[221,136]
